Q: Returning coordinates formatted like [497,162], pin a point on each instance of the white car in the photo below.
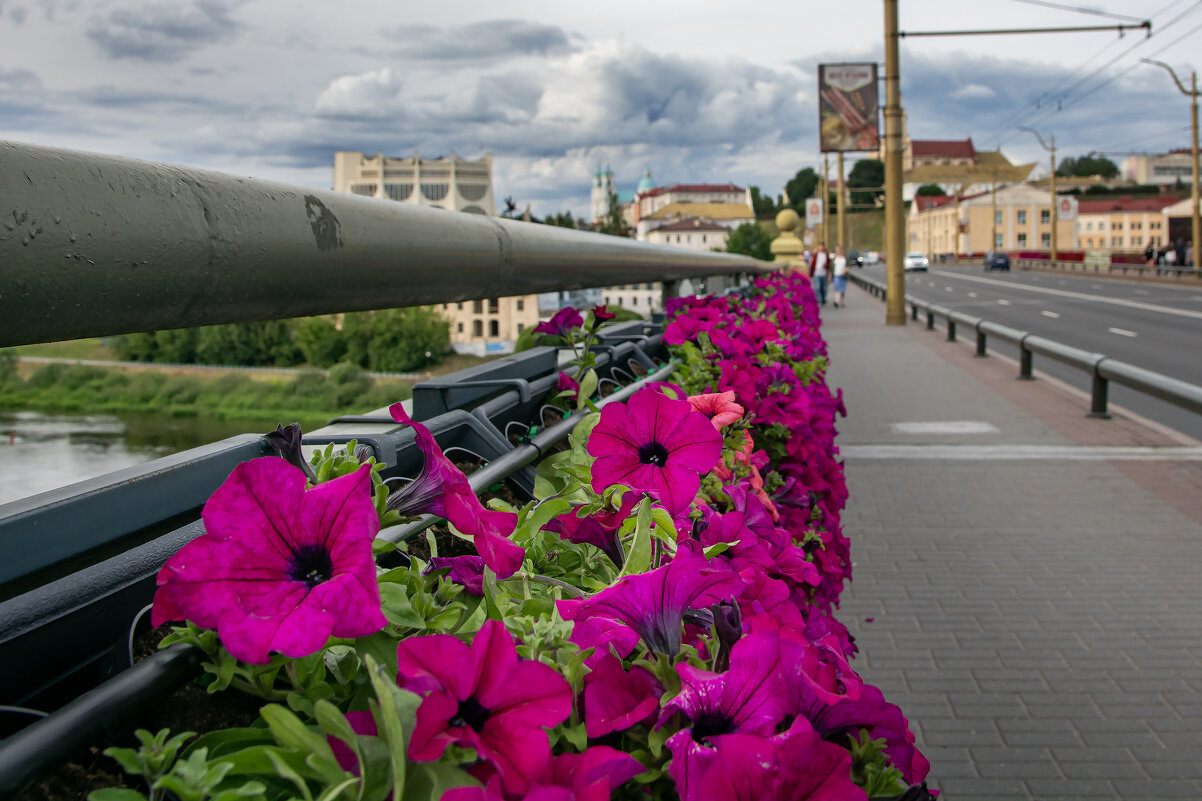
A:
[872,257]
[916,261]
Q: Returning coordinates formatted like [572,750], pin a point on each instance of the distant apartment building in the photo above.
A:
[1165,168]
[477,326]
[654,199]
[645,298]
[692,233]
[1018,218]
[1123,223]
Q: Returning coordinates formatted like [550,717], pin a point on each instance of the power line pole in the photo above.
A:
[1193,118]
[840,194]
[826,201]
[895,221]
[1051,148]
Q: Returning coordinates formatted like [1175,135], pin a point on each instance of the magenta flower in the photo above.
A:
[442,489]
[480,696]
[719,407]
[566,383]
[602,313]
[278,568]
[599,529]
[803,768]
[656,445]
[654,603]
[562,324]
[591,776]
[616,699]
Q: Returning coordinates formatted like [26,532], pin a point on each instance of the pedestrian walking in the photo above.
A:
[1150,253]
[840,273]
[1180,250]
[819,267]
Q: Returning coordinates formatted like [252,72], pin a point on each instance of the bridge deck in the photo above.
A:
[1035,610]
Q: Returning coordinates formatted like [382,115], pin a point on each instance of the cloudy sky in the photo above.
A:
[707,90]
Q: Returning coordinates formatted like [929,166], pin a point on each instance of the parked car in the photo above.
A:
[997,260]
[870,258]
[916,261]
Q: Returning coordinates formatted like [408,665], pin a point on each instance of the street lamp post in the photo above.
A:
[1051,148]
[1193,117]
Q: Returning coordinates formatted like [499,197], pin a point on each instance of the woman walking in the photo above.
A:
[840,272]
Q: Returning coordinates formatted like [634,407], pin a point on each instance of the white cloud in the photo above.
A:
[973,90]
[370,94]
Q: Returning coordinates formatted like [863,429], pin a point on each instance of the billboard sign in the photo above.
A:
[814,212]
[1066,208]
[847,107]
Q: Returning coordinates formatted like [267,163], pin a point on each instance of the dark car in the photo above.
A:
[854,259]
[997,260]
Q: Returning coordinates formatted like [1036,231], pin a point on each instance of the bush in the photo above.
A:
[320,341]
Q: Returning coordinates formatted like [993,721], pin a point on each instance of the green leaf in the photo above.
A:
[287,771]
[430,780]
[719,547]
[395,709]
[292,734]
[115,794]
[656,739]
[397,607]
[588,386]
[225,741]
[129,760]
[576,735]
[638,559]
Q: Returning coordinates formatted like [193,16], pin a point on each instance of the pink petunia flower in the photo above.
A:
[616,699]
[599,529]
[591,776]
[442,489]
[466,570]
[278,568]
[480,696]
[656,445]
[719,407]
[602,313]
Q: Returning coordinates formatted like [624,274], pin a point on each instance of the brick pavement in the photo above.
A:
[1040,622]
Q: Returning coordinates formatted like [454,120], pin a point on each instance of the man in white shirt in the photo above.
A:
[819,264]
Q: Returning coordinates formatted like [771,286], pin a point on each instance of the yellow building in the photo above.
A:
[484,327]
[1018,217]
[1123,223]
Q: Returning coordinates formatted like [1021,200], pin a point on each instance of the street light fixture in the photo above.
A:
[1193,96]
[1051,148]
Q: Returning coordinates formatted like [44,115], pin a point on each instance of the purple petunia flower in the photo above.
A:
[839,721]
[278,568]
[656,445]
[591,776]
[466,570]
[654,603]
[599,529]
[480,696]
[562,324]
[442,489]
[616,699]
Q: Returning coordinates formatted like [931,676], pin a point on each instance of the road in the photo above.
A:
[1154,326]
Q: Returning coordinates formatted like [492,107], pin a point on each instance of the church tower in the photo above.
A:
[603,189]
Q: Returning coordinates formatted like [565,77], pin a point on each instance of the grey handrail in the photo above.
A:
[1101,368]
[94,245]
[1159,270]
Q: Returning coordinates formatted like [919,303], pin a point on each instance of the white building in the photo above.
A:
[656,198]
[1166,168]
[445,183]
[692,233]
[480,327]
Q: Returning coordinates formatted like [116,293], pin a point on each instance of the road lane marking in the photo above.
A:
[972,294]
[1065,293]
[1053,315]
[993,453]
[1141,292]
[1095,286]
[947,288]
[1123,332]
[1002,302]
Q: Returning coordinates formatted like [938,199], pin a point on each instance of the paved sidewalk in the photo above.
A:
[1038,616]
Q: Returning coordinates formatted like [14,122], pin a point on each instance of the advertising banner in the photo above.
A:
[1066,208]
[814,212]
[847,107]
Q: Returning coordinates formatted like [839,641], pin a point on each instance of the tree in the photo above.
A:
[614,223]
[801,186]
[867,172]
[751,240]
[561,219]
[930,190]
[1087,165]
[762,205]
[320,341]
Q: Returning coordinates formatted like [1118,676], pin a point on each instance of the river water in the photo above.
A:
[40,452]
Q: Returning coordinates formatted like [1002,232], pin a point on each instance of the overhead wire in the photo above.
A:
[1064,98]
[1059,96]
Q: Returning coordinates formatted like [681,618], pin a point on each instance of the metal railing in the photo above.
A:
[94,245]
[1110,268]
[1101,368]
